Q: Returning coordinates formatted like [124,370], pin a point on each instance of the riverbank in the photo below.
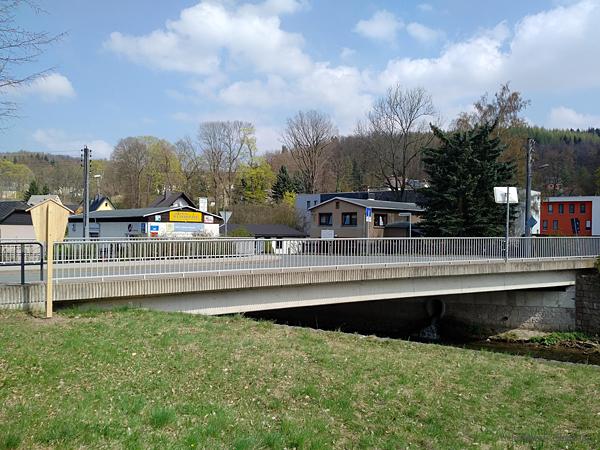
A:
[146,379]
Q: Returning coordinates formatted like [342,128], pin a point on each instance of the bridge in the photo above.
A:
[222,276]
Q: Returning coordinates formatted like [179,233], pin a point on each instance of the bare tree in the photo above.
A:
[224,146]
[505,110]
[18,46]
[308,136]
[397,129]
[191,166]
[130,160]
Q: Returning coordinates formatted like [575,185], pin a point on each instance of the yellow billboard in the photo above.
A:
[185,216]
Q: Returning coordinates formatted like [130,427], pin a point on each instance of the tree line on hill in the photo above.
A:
[391,148]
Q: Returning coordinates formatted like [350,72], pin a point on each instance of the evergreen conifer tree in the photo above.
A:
[463,171]
[33,189]
[283,184]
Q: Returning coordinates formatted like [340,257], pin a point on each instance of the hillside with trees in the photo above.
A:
[222,162]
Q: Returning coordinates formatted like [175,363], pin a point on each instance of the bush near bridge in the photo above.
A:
[139,379]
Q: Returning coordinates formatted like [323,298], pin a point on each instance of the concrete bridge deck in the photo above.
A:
[237,291]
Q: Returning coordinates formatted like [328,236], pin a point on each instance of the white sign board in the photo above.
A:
[500,195]
[203,204]
[327,234]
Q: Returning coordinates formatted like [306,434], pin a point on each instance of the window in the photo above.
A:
[555,225]
[582,208]
[325,219]
[380,220]
[561,208]
[279,244]
[588,224]
[337,205]
[307,204]
[349,219]
[571,208]
[550,208]
[545,225]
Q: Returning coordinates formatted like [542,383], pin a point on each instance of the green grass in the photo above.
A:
[138,379]
[560,338]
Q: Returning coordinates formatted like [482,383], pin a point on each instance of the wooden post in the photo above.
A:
[49,264]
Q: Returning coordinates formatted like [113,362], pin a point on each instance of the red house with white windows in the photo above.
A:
[570,216]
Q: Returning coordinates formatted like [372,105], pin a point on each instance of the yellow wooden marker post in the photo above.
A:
[49,223]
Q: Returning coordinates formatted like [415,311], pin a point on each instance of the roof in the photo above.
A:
[8,207]
[583,198]
[267,230]
[35,199]
[375,204]
[168,198]
[135,212]
[97,202]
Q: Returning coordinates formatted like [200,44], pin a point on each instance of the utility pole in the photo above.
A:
[530,150]
[85,161]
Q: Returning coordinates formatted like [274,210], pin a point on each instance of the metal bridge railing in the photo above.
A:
[141,258]
[22,253]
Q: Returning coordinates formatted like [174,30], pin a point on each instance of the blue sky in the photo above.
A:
[129,68]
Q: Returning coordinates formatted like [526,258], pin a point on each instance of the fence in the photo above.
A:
[18,253]
[78,259]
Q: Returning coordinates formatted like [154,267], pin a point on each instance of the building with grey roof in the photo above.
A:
[178,221]
[354,218]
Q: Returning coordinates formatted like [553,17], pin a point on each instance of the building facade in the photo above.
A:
[357,218]
[174,222]
[570,216]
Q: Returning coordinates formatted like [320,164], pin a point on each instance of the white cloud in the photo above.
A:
[549,50]
[563,117]
[425,7]
[423,33]
[59,141]
[209,34]
[382,26]
[49,88]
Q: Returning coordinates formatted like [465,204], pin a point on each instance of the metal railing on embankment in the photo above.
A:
[142,258]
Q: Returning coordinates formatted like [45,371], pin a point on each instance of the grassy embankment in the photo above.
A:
[137,379]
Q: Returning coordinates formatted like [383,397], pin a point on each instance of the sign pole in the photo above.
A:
[507,223]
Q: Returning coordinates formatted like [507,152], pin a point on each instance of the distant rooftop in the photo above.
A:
[376,204]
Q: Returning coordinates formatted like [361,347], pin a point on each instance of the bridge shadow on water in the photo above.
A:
[420,320]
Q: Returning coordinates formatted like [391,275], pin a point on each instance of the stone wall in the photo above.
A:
[532,309]
[587,303]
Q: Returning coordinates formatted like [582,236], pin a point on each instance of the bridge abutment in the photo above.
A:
[492,312]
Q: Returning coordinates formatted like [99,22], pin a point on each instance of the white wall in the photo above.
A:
[17,232]
[107,229]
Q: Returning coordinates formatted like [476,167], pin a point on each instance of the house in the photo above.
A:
[170,222]
[356,218]
[281,236]
[15,221]
[306,201]
[571,216]
[172,199]
[98,203]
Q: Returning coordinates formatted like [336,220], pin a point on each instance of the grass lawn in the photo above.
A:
[139,379]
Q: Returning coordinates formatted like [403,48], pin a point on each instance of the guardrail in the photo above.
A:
[79,259]
[19,253]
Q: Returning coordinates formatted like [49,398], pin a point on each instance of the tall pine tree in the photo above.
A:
[463,171]
[284,183]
